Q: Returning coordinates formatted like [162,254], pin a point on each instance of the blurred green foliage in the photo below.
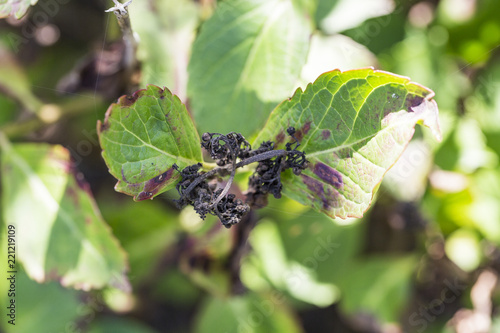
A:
[409,265]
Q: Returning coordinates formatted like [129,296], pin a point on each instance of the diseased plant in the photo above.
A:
[195,190]
[352,126]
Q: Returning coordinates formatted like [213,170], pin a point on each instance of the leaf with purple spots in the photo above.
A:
[142,136]
[353,126]
[63,235]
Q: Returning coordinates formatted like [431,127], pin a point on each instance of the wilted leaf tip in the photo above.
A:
[152,186]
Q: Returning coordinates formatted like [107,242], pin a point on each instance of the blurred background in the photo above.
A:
[424,258]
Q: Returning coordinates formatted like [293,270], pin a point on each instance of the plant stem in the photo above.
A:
[130,61]
[257,158]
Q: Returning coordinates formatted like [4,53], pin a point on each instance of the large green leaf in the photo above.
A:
[166,31]
[353,126]
[35,302]
[377,285]
[142,136]
[246,59]
[16,8]
[61,233]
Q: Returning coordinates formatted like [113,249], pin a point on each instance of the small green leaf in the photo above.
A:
[142,136]
[246,59]
[61,232]
[166,32]
[16,8]
[353,126]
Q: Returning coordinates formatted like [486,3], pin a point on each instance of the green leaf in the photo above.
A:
[142,136]
[250,313]
[166,32]
[118,325]
[353,126]
[16,8]
[246,59]
[61,232]
[36,302]
[378,285]
[145,243]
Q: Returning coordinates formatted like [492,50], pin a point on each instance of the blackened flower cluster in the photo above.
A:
[232,151]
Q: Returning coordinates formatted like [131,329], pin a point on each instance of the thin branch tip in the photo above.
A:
[119,8]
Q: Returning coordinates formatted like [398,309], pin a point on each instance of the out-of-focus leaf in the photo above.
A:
[378,286]
[36,302]
[353,126]
[304,261]
[474,153]
[64,236]
[321,244]
[337,51]
[473,207]
[166,30]
[379,33]
[14,83]
[473,28]
[118,325]
[297,278]
[348,14]
[246,59]
[9,110]
[323,9]
[245,314]
[16,8]
[463,248]
[175,289]
[142,136]
[407,179]
[145,243]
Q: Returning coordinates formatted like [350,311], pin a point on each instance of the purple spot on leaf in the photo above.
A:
[329,175]
[280,138]
[328,196]
[152,186]
[325,134]
[413,101]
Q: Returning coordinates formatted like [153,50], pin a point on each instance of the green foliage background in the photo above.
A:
[433,230]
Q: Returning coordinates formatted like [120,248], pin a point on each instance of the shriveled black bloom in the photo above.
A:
[194,188]
[267,176]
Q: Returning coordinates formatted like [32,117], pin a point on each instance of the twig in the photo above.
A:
[129,38]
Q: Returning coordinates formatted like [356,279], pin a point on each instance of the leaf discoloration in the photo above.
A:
[360,121]
[152,186]
[328,196]
[329,175]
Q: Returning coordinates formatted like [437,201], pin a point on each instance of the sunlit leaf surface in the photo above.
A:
[63,235]
[246,59]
